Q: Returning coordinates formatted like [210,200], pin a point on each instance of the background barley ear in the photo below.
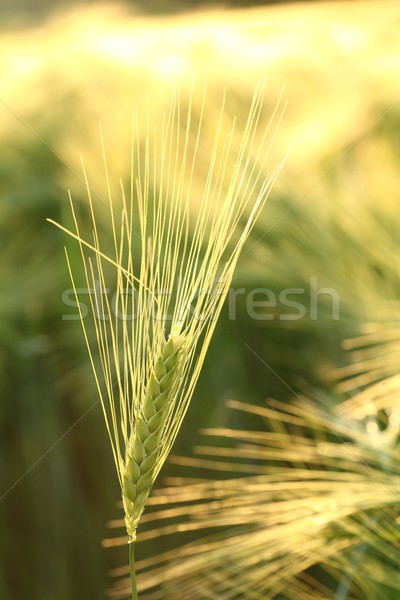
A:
[168,258]
[304,506]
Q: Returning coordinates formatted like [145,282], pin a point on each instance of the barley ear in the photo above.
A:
[144,443]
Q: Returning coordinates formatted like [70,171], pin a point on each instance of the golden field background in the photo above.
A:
[333,215]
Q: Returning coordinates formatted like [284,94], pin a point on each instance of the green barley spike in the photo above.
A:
[144,442]
[189,230]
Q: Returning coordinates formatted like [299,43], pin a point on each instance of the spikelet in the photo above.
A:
[176,236]
[143,446]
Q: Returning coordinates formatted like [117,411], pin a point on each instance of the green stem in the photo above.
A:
[132,567]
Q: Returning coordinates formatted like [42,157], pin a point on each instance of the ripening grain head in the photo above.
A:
[174,254]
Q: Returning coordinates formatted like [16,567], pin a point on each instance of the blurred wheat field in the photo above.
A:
[333,216]
[337,61]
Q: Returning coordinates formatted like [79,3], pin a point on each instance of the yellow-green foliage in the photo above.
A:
[334,215]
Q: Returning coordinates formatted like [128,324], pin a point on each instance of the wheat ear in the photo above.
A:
[143,447]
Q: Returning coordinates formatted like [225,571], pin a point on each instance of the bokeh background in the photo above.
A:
[333,216]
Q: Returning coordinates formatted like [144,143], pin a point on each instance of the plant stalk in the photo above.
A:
[132,569]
